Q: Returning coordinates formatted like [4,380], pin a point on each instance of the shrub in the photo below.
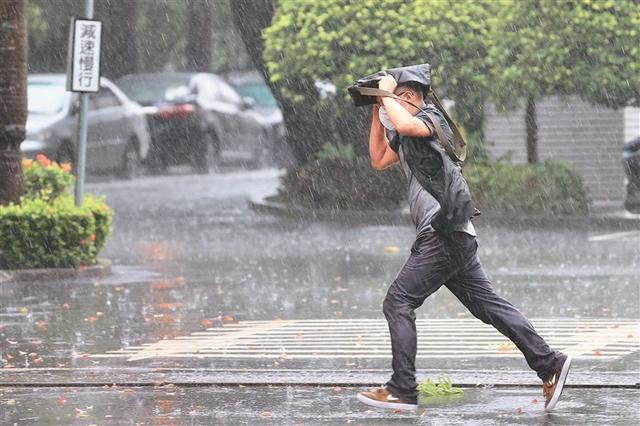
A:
[47,230]
[550,187]
[45,179]
[339,180]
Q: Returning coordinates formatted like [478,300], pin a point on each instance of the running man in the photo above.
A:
[446,256]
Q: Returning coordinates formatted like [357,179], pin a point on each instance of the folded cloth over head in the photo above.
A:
[413,73]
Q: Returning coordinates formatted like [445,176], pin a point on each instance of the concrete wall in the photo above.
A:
[589,136]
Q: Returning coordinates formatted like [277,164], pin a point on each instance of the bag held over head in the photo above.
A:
[365,91]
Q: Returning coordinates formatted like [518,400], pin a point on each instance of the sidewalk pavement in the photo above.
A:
[305,405]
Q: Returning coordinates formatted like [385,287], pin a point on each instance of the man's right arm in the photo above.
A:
[382,156]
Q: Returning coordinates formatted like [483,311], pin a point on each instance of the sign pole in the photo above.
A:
[82,130]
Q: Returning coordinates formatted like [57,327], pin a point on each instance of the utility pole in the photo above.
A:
[82,128]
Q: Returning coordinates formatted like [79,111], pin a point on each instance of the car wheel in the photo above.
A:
[155,162]
[207,159]
[131,164]
[262,155]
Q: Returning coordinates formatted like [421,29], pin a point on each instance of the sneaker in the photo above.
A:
[382,398]
[552,388]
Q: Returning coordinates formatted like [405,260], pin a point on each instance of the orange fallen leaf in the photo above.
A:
[38,360]
[206,323]
[337,389]
[520,410]
[266,414]
[229,319]
[90,320]
[596,353]
[397,410]
[61,401]
[65,306]
[534,401]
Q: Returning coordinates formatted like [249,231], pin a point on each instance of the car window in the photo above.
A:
[259,92]
[47,98]
[151,89]
[103,99]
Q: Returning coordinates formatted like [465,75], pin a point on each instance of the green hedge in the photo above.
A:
[552,187]
[339,181]
[47,230]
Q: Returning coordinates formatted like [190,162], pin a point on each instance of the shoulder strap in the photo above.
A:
[459,140]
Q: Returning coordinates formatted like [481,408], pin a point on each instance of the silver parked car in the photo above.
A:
[117,136]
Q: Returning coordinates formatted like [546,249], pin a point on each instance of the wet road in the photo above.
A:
[171,405]
[188,250]
[190,256]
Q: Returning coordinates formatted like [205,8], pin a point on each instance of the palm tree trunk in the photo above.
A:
[13,98]
[120,44]
[199,35]
[532,130]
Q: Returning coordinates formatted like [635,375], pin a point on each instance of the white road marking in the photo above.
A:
[604,339]
[615,236]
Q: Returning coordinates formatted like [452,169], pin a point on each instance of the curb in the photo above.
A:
[402,217]
[192,377]
[399,217]
[99,270]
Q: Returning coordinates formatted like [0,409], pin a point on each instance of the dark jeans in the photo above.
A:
[452,261]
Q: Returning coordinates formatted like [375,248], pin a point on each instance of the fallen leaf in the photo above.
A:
[229,319]
[391,249]
[534,401]
[520,410]
[90,320]
[266,414]
[206,323]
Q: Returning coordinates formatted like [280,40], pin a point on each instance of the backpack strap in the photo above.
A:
[458,139]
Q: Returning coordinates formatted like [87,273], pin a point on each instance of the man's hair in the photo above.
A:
[414,86]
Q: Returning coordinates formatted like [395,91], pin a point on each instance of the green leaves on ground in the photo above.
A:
[443,388]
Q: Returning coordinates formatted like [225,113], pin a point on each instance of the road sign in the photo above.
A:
[83,74]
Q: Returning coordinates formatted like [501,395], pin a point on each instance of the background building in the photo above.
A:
[589,136]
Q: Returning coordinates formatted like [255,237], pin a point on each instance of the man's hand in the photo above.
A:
[388,83]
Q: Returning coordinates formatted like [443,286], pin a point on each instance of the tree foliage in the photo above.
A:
[589,48]
[341,40]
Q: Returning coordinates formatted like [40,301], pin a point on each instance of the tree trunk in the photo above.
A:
[307,127]
[532,131]
[13,98]
[120,41]
[199,35]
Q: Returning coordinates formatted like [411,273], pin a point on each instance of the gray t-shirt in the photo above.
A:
[422,206]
